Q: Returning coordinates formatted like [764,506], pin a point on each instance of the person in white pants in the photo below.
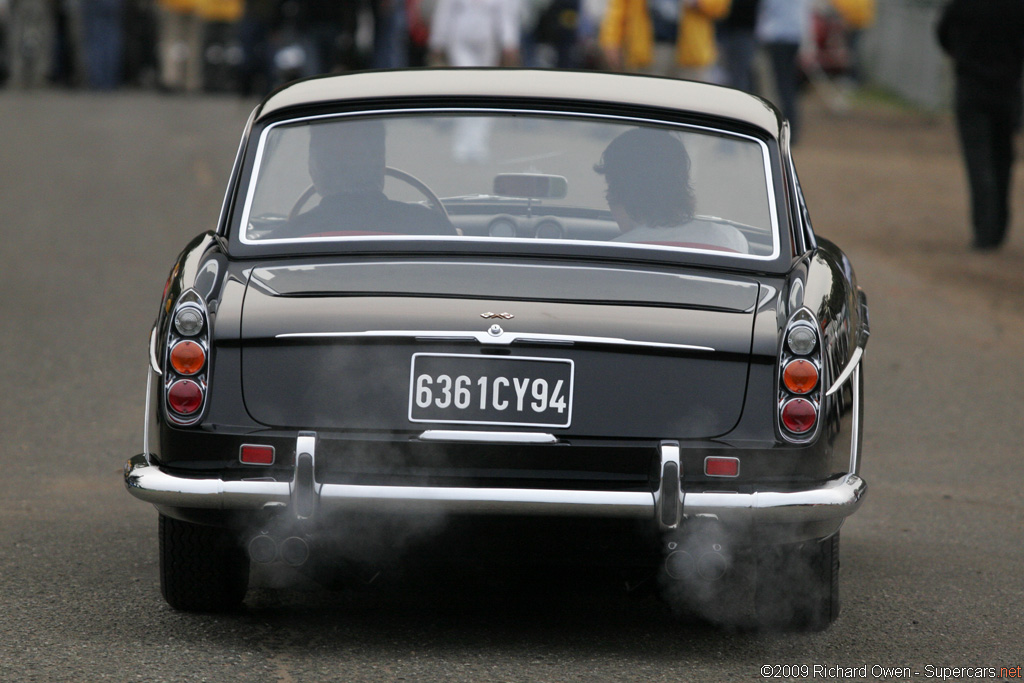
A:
[474,33]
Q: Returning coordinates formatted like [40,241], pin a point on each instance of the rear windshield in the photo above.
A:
[512,176]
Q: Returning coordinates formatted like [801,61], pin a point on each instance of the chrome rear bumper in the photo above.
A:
[808,513]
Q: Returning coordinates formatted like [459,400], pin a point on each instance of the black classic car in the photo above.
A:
[581,307]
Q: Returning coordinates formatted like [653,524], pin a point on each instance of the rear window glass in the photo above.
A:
[512,176]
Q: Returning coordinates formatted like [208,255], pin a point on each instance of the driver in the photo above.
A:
[650,195]
[346,165]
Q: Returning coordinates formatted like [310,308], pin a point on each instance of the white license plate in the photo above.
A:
[491,390]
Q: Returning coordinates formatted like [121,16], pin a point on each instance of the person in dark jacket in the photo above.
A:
[737,44]
[347,164]
[986,42]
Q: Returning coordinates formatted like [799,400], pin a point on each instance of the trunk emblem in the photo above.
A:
[491,316]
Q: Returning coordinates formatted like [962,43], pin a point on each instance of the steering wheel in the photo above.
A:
[433,201]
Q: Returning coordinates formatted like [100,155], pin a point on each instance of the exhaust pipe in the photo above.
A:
[263,549]
[710,564]
[294,551]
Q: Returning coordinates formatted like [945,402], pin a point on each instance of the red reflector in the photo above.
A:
[257,455]
[799,415]
[722,467]
[185,397]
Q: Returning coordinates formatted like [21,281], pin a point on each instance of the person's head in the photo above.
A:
[648,176]
[346,156]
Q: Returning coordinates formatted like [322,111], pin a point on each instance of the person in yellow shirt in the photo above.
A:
[627,38]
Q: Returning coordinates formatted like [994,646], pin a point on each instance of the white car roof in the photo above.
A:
[584,86]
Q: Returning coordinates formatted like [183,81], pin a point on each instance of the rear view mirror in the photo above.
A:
[531,186]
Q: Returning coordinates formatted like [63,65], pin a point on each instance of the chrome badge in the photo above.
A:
[491,316]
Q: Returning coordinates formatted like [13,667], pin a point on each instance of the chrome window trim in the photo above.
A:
[485,337]
[222,217]
[250,191]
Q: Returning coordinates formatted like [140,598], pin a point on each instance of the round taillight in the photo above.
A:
[799,415]
[188,321]
[185,397]
[802,340]
[800,376]
[187,358]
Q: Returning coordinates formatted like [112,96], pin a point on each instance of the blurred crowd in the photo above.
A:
[252,46]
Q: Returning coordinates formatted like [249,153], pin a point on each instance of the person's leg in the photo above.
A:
[784,66]
[1005,127]
[974,125]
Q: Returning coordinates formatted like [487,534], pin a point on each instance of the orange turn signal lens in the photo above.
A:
[800,376]
[187,358]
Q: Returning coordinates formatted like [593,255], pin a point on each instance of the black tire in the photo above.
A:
[202,568]
[798,586]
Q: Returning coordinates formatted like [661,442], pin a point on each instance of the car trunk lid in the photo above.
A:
[573,350]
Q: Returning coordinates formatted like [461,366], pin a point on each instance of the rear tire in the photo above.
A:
[798,586]
[202,568]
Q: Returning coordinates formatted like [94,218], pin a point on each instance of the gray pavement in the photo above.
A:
[98,194]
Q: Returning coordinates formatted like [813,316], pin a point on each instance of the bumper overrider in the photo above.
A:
[800,514]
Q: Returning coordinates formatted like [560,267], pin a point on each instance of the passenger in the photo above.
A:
[651,197]
[346,165]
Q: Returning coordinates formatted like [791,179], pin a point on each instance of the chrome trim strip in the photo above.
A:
[153,362]
[503,339]
[852,365]
[855,426]
[517,111]
[487,437]
[145,421]
[827,504]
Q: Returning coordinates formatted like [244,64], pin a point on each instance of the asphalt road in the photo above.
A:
[98,194]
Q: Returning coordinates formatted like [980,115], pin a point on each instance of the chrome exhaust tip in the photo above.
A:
[294,551]
[263,549]
[710,565]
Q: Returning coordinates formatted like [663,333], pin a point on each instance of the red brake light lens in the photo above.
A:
[800,376]
[185,397]
[799,415]
[187,357]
